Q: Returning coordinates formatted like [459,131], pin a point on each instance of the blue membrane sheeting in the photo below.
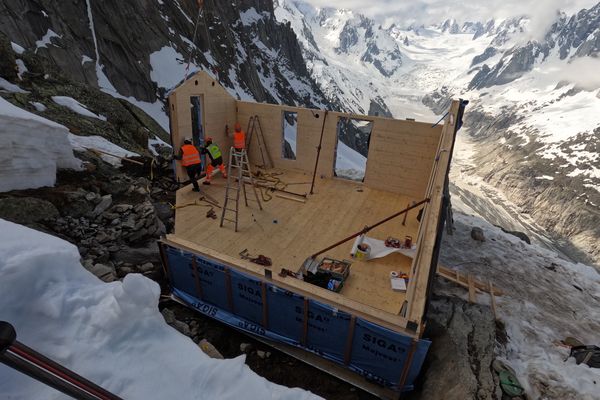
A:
[261,308]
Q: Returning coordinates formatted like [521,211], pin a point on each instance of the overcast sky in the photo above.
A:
[405,12]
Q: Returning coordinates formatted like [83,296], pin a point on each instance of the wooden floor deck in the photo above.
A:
[289,231]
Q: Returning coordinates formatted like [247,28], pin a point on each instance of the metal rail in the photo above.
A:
[29,362]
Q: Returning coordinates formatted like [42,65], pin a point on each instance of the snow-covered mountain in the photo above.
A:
[346,53]
[534,100]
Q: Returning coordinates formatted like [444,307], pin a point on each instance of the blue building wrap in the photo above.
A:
[251,305]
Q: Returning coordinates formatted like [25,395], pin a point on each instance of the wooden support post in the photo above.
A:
[312,185]
[405,214]
[407,364]
[229,289]
[165,260]
[265,317]
[493,299]
[305,324]
[471,288]
[349,339]
[197,277]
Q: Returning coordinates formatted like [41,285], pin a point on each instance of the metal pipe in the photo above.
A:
[312,185]
[28,361]
[27,368]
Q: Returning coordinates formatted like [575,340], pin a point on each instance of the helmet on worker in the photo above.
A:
[187,140]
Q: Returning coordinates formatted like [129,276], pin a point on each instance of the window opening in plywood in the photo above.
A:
[352,148]
[290,134]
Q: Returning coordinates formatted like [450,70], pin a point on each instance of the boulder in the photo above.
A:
[105,202]
[27,210]
[477,234]
[147,267]
[104,272]
[139,255]
[169,316]
[518,234]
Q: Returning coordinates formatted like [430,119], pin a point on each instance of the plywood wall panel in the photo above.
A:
[401,152]
[218,111]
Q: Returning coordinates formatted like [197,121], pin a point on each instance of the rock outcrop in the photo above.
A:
[141,48]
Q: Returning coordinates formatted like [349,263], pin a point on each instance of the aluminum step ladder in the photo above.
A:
[236,182]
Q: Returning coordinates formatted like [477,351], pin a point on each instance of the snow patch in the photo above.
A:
[46,39]
[110,333]
[38,106]
[76,106]
[21,68]
[16,48]
[251,16]
[10,87]
[168,67]
[32,148]
[349,163]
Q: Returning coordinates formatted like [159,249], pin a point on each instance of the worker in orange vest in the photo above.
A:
[216,160]
[190,159]
[239,137]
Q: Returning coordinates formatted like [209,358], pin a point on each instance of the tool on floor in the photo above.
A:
[260,259]
[211,213]
[238,161]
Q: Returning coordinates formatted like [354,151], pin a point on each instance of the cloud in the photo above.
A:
[581,71]
[541,13]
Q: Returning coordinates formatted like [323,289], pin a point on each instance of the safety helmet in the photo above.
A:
[237,127]
[187,140]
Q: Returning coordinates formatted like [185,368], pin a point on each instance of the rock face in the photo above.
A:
[461,355]
[27,210]
[140,47]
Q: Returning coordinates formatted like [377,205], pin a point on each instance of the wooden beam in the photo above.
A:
[454,276]
[422,263]
[283,196]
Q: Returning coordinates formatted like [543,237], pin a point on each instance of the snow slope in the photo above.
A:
[111,333]
[546,299]
[76,106]
[32,148]
[349,163]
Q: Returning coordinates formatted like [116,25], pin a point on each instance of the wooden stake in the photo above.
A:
[113,155]
[471,288]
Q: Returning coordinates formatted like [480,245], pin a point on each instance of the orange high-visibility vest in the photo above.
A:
[191,155]
[239,139]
